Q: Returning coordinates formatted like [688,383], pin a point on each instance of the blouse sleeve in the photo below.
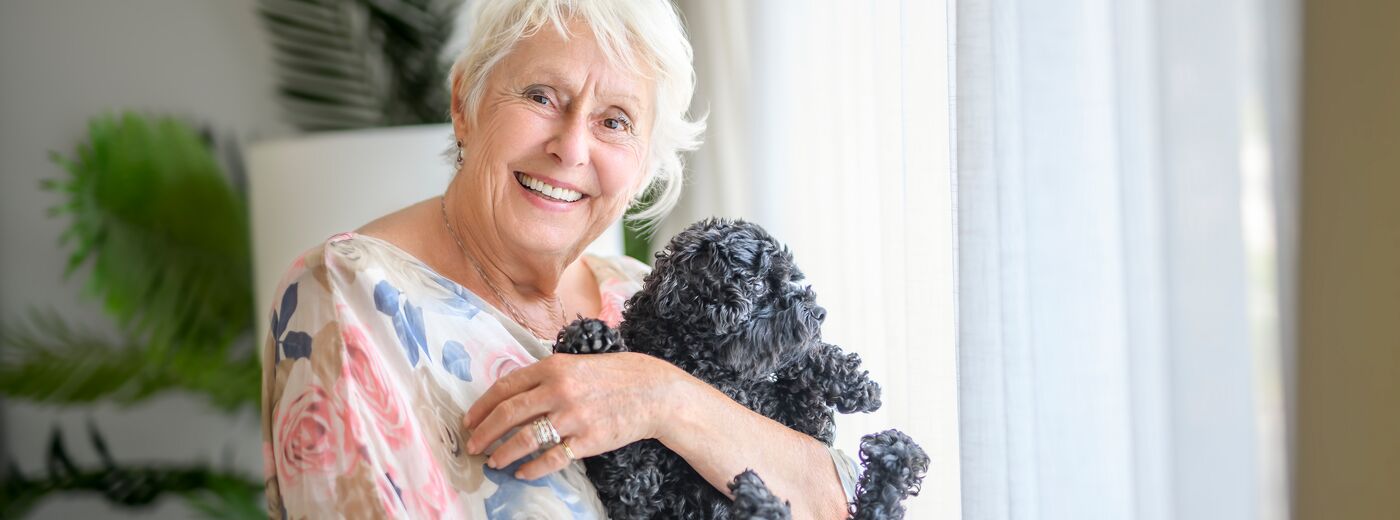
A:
[339,436]
[310,410]
[847,470]
[369,364]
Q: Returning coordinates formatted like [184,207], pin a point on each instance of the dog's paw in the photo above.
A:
[894,468]
[753,500]
[588,336]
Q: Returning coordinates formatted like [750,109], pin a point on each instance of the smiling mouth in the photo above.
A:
[552,193]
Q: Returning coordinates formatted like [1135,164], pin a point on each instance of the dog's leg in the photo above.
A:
[588,336]
[853,390]
[754,501]
[894,468]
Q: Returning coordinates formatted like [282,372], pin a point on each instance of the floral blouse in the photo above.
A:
[372,360]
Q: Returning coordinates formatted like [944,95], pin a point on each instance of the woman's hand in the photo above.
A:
[597,402]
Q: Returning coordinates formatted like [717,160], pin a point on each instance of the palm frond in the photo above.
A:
[164,232]
[219,494]
[49,361]
[347,64]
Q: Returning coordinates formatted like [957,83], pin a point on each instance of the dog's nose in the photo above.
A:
[819,313]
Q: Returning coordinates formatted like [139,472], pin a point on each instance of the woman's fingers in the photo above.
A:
[520,444]
[552,460]
[524,442]
[507,386]
[518,410]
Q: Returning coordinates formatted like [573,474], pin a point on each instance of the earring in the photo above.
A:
[459,154]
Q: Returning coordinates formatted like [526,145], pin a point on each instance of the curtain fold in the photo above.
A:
[1116,358]
[831,129]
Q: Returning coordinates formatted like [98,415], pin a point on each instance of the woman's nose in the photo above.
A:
[569,145]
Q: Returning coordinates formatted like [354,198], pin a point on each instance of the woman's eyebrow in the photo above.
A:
[558,80]
[625,100]
[550,77]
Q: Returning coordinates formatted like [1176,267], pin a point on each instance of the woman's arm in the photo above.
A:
[601,402]
[721,438]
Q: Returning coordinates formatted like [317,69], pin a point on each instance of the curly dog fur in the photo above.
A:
[726,303]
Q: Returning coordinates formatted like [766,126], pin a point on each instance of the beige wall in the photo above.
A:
[1348,408]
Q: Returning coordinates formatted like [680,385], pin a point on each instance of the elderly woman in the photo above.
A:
[404,357]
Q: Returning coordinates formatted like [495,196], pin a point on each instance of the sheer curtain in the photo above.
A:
[829,125]
[1118,334]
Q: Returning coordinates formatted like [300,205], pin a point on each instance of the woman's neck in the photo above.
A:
[520,283]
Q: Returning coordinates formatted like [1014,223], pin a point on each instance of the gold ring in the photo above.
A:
[568,452]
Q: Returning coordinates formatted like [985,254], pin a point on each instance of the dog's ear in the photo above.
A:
[704,276]
[696,286]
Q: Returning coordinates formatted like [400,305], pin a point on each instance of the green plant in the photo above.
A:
[217,494]
[347,64]
[162,236]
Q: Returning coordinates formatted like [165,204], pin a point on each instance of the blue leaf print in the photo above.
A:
[386,298]
[408,326]
[413,317]
[398,492]
[462,302]
[513,493]
[297,345]
[456,360]
[289,305]
[276,352]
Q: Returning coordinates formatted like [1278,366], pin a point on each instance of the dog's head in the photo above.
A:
[736,290]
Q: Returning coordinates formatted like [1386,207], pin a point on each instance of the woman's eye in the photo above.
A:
[617,123]
[539,95]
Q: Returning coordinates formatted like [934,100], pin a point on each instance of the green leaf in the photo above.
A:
[48,361]
[165,234]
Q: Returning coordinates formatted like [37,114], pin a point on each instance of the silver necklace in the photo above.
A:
[514,313]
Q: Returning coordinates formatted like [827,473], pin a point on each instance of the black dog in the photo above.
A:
[725,303]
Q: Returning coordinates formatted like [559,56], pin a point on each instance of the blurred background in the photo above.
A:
[1109,259]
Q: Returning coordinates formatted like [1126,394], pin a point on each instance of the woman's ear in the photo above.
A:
[458,115]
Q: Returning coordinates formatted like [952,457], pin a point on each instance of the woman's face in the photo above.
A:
[558,146]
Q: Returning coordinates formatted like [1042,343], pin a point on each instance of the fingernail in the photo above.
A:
[472,449]
[492,463]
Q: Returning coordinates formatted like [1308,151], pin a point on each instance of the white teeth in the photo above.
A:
[547,190]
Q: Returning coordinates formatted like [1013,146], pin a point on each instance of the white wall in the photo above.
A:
[61,62]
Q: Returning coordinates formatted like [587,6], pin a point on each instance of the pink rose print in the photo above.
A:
[614,298]
[502,361]
[434,499]
[312,437]
[366,371]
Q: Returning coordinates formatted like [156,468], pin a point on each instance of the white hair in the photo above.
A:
[648,29]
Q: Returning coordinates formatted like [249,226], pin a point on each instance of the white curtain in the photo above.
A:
[829,125]
[1117,306]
